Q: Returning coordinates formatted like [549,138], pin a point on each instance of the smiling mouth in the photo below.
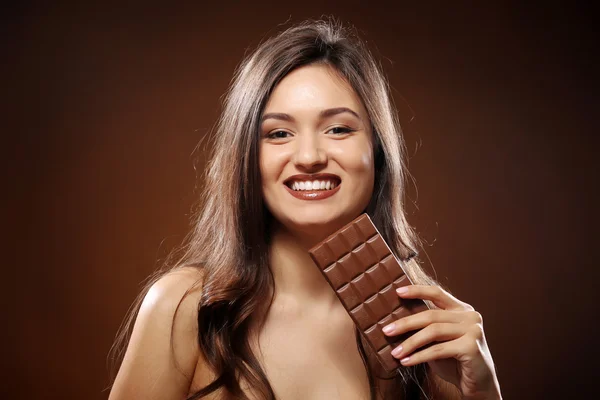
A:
[313,190]
[313,185]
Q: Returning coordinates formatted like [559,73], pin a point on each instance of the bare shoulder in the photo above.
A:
[177,291]
[172,304]
[162,354]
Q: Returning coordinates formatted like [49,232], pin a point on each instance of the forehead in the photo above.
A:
[313,88]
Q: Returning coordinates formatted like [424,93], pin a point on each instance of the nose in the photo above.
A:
[309,153]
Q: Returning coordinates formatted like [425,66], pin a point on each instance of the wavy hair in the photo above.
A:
[230,238]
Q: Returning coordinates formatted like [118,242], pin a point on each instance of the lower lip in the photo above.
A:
[312,194]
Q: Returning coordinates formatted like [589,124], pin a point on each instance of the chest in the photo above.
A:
[312,355]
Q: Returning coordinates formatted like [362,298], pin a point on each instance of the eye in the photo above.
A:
[277,135]
[340,130]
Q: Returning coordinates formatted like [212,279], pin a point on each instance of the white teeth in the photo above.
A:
[313,185]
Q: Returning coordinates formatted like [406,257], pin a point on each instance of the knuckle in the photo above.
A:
[406,345]
[435,350]
[477,331]
[435,330]
[409,345]
[430,331]
[477,317]
[398,326]
[429,316]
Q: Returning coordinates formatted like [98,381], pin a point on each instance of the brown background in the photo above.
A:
[104,105]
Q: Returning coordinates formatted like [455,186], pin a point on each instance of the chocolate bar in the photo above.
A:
[363,271]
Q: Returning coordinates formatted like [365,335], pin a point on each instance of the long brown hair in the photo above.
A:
[230,239]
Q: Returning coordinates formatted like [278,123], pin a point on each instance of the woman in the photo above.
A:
[308,140]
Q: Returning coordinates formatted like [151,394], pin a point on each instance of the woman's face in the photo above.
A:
[315,129]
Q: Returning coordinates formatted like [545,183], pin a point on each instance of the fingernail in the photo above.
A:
[404,360]
[388,328]
[396,352]
[402,290]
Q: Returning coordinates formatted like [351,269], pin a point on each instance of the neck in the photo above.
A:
[296,276]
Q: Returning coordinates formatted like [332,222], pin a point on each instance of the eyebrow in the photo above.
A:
[323,114]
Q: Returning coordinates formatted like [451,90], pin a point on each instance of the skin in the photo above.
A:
[340,144]
[306,317]
[462,356]
[306,346]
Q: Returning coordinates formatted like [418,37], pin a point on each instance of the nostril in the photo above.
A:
[310,157]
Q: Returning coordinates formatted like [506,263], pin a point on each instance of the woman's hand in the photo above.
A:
[461,355]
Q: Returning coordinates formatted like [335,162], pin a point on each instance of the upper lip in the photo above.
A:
[312,177]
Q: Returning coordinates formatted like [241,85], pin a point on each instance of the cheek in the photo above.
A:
[366,161]
[356,159]
[271,160]
[367,171]
[359,164]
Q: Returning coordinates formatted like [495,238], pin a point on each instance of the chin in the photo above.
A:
[320,223]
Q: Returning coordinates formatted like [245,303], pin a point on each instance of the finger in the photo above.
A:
[436,294]
[430,334]
[439,351]
[421,320]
